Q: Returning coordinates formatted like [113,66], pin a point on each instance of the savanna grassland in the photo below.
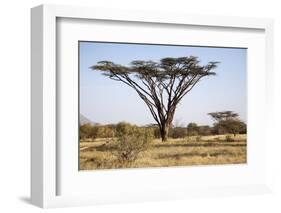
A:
[193,150]
[162,85]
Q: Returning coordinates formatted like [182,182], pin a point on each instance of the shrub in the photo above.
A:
[130,143]
[124,128]
[155,131]
[204,130]
[230,126]
[177,132]
[228,138]
[105,131]
[198,138]
[192,129]
[88,131]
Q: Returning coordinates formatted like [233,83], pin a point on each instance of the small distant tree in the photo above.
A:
[84,131]
[227,122]
[155,130]
[205,130]
[105,131]
[232,126]
[192,129]
[87,131]
[224,115]
[178,132]
[161,85]
[124,128]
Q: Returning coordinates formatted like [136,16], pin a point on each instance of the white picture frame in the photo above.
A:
[44,148]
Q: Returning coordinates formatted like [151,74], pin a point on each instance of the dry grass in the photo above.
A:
[207,150]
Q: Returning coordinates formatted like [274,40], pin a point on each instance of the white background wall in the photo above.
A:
[15,104]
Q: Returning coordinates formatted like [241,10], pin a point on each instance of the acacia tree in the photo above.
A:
[228,121]
[224,115]
[161,85]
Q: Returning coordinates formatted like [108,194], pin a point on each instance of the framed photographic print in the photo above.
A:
[149,106]
[119,131]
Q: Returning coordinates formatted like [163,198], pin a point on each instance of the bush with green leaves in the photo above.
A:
[130,142]
[177,132]
[105,131]
[228,138]
[87,131]
[192,129]
[198,138]
[230,126]
[228,122]
[124,128]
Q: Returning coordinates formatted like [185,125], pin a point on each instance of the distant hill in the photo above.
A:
[85,120]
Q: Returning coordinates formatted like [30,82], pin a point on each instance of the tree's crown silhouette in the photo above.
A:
[161,85]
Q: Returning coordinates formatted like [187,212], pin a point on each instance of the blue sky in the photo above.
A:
[106,101]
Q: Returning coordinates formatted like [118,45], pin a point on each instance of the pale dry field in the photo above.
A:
[207,150]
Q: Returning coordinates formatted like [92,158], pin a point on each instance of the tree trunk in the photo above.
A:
[164,133]
[166,124]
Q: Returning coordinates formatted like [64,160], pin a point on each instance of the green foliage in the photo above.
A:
[84,131]
[131,141]
[204,130]
[106,131]
[156,132]
[124,128]
[230,126]
[125,131]
[198,138]
[177,132]
[223,115]
[192,129]
[88,131]
[227,122]
[228,138]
